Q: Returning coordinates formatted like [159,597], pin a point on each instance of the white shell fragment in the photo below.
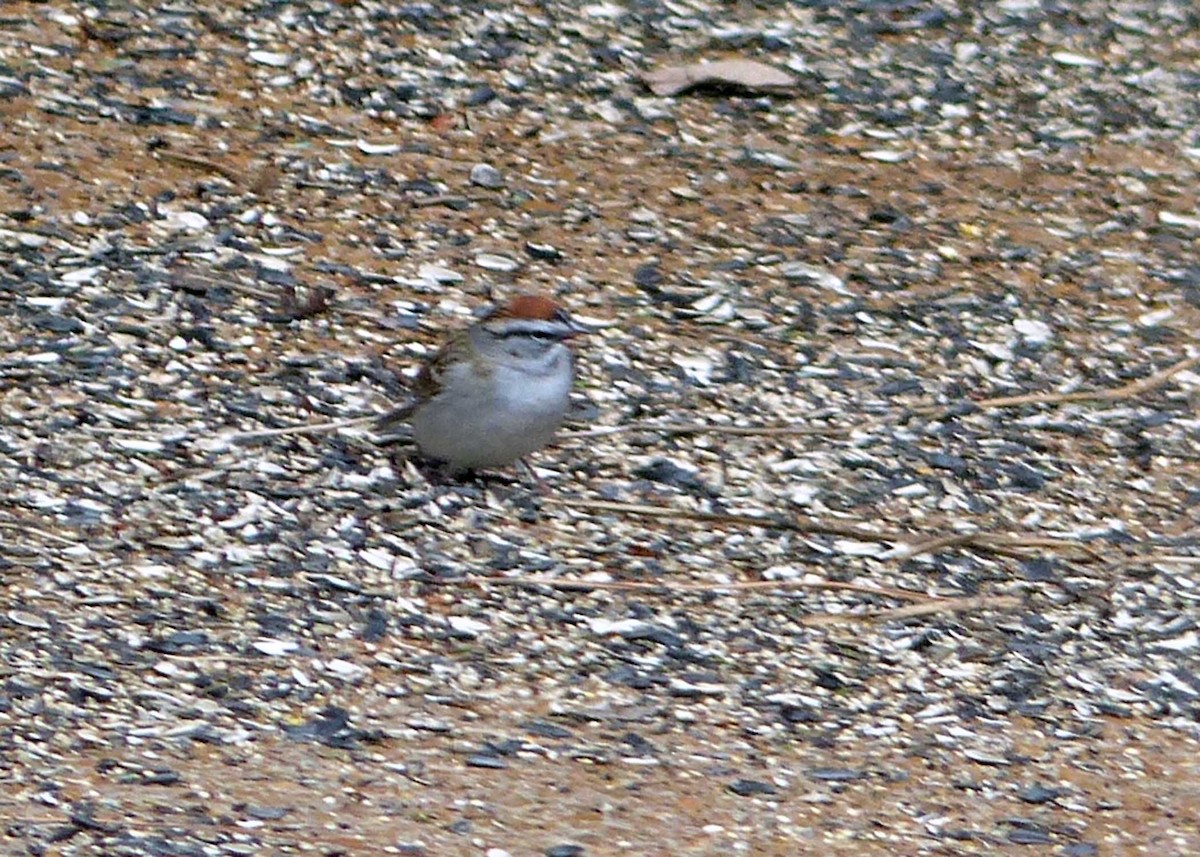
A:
[369,148]
[1172,219]
[890,156]
[274,647]
[1079,60]
[1033,331]
[496,262]
[275,59]
[819,276]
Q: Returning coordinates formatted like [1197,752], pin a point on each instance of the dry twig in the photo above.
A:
[777,523]
[911,611]
[716,588]
[306,428]
[708,428]
[1115,394]
[198,163]
[1001,544]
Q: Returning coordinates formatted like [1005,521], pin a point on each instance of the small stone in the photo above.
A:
[1069,59]
[485,760]
[275,59]
[188,221]
[485,175]
[982,757]
[545,252]
[1035,333]
[275,647]
[887,156]
[1030,836]
[1156,318]
[749,788]
[1188,642]
[466,626]
[438,275]
[1172,219]
[1039,794]
[836,775]
[28,620]
[564,850]
[818,276]
[369,148]
[80,275]
[496,262]
[137,444]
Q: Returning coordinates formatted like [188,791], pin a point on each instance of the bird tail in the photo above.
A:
[393,424]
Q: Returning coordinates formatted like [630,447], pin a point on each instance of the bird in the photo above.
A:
[496,391]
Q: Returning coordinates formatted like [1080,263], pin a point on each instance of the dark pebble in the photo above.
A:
[545,252]
[564,851]
[962,834]
[647,277]
[56,323]
[655,634]
[1039,570]
[1038,794]
[749,788]
[836,775]
[1025,477]
[61,833]
[1029,836]
[164,777]
[481,760]
[900,387]
[375,627]
[669,473]
[954,463]
[480,95]
[542,729]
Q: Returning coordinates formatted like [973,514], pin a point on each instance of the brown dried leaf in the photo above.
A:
[749,75]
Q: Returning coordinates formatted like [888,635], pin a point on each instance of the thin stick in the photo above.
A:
[309,428]
[1125,391]
[910,611]
[23,528]
[1182,560]
[444,199]
[647,511]
[200,164]
[930,546]
[707,428]
[643,586]
[1004,545]
[998,541]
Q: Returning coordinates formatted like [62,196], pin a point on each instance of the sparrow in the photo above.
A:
[496,391]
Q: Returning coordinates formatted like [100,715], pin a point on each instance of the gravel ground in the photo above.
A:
[874,529]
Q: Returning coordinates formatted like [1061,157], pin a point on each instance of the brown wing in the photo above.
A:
[429,379]
[425,386]
[427,382]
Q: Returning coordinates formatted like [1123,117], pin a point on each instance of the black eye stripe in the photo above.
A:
[535,334]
